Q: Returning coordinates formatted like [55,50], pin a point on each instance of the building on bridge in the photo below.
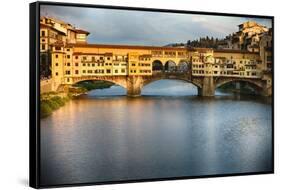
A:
[70,59]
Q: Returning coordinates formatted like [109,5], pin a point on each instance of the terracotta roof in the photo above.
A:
[233,51]
[127,47]
[82,53]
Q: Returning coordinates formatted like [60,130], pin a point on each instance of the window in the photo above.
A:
[57,73]
[68,64]
[268,58]
[108,71]
[67,49]
[76,64]
[108,58]
[57,56]
[76,57]
[68,56]
[76,72]
[67,72]
[43,33]
[116,71]
[84,64]
[43,46]
[101,58]
[84,71]
[122,70]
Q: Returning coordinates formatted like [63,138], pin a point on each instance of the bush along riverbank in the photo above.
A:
[52,101]
[92,85]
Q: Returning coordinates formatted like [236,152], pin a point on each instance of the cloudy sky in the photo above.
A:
[109,26]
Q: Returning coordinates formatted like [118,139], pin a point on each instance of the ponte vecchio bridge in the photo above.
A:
[133,67]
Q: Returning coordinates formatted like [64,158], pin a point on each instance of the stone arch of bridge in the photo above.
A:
[184,65]
[257,84]
[146,82]
[170,66]
[157,65]
[116,81]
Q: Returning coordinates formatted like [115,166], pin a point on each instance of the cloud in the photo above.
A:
[112,26]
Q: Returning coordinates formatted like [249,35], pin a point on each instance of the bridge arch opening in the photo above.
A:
[169,87]
[101,88]
[170,66]
[239,86]
[183,66]
[157,66]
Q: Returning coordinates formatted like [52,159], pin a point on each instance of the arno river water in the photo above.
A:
[167,132]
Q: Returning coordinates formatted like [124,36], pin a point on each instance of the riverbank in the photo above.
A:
[52,101]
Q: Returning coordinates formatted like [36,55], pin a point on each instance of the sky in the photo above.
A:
[109,26]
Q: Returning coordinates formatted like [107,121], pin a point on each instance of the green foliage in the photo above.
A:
[91,85]
[52,101]
[58,100]
[45,108]
[51,104]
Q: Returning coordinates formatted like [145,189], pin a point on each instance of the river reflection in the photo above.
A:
[164,133]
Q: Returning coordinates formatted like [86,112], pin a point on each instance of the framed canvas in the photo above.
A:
[123,94]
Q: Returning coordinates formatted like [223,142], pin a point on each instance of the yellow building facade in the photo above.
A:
[72,57]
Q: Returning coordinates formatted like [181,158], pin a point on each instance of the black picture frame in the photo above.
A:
[34,91]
